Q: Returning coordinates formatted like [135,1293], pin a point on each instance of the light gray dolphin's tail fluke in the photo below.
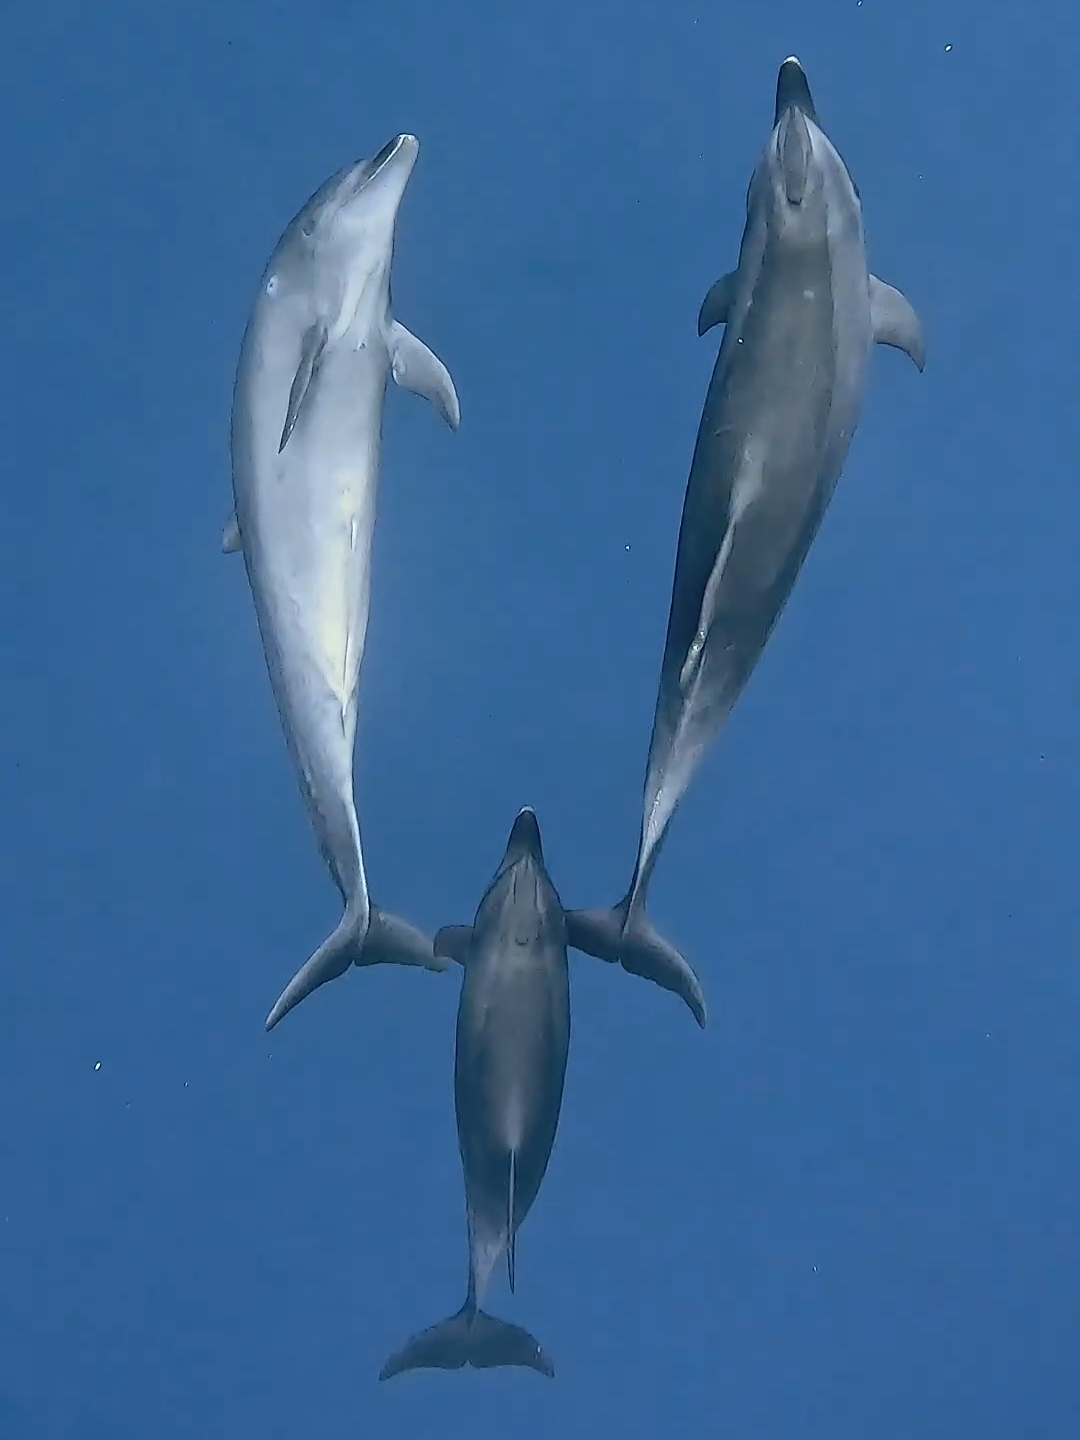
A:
[627,937]
[471,1337]
[385,940]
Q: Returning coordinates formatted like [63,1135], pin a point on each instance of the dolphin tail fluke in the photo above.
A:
[625,935]
[471,1337]
[384,940]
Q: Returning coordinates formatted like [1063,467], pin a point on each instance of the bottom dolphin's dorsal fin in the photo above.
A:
[894,321]
[311,348]
[511,1231]
[716,307]
[453,942]
[471,1337]
[416,368]
[230,536]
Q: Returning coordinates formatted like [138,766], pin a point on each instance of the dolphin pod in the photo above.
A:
[306,441]
[801,312]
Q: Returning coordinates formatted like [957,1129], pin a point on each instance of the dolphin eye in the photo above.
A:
[272,285]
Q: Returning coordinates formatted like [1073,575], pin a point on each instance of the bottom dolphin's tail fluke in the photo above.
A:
[471,1337]
[385,940]
[627,937]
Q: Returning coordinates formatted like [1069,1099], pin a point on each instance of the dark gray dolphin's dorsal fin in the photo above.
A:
[793,90]
[311,348]
[716,307]
[894,321]
[511,1235]
[453,942]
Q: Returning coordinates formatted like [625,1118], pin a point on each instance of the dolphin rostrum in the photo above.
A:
[801,313]
[513,1035]
[306,441]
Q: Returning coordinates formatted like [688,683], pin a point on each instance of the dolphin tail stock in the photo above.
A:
[384,940]
[625,935]
[471,1337]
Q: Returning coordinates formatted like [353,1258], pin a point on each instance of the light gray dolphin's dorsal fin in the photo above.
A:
[230,536]
[894,321]
[511,1234]
[311,348]
[453,942]
[416,368]
[716,307]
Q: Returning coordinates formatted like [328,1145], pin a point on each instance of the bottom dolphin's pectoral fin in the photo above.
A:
[716,307]
[311,349]
[453,942]
[626,937]
[393,941]
[894,321]
[230,536]
[416,368]
[471,1337]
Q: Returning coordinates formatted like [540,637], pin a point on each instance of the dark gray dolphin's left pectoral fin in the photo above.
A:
[716,307]
[416,368]
[471,1337]
[894,321]
[311,349]
[634,944]
[453,942]
[385,940]
[230,536]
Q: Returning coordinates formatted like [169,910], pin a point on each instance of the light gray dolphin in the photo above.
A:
[801,312]
[306,442]
[513,1035]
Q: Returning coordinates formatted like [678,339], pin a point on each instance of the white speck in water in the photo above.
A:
[947,49]
[97,1067]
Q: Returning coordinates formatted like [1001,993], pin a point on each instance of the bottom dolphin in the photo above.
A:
[513,1037]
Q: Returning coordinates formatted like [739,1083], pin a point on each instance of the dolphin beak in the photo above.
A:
[793,91]
[524,837]
[389,169]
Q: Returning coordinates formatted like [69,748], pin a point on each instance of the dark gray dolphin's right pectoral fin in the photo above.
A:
[452,942]
[471,1337]
[894,321]
[716,307]
[385,940]
[311,349]
[632,942]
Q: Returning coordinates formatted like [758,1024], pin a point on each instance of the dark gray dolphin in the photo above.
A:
[306,443]
[513,1035]
[801,312]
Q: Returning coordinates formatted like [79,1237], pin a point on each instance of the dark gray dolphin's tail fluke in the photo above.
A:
[385,940]
[625,936]
[471,1337]
[793,91]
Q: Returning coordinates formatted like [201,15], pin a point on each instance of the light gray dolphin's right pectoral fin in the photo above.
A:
[716,307]
[454,942]
[311,348]
[894,321]
[634,943]
[393,941]
[416,368]
[230,536]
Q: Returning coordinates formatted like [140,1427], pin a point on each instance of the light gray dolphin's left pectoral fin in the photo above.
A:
[416,368]
[311,348]
[230,536]
[894,321]
[393,941]
[453,942]
[716,307]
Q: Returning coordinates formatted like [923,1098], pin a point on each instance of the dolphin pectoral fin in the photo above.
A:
[311,348]
[453,942]
[716,307]
[393,941]
[230,536]
[416,368]
[597,932]
[894,321]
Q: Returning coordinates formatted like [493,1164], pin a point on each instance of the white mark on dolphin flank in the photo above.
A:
[271,285]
